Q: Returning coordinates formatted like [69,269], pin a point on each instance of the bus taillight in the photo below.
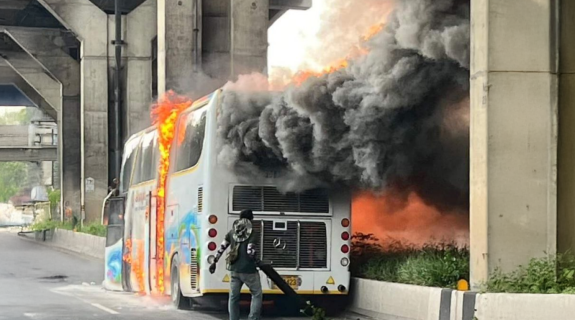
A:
[345,236]
[345,223]
[213,233]
[213,219]
[212,246]
[345,248]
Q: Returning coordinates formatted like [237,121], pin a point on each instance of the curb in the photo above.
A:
[67,250]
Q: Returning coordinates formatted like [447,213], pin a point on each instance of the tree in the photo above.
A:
[20,117]
[12,176]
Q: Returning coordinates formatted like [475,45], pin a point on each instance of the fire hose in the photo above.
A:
[304,306]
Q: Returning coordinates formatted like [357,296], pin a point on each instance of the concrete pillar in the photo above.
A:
[141,28]
[175,44]
[249,30]
[566,152]
[513,134]
[89,23]
[46,48]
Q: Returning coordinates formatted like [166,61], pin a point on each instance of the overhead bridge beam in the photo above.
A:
[290,4]
[32,154]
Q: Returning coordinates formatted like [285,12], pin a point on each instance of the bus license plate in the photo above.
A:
[292,281]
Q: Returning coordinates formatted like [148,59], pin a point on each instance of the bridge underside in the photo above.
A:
[28,154]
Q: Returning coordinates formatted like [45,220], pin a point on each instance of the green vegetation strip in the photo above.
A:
[553,274]
[95,229]
[434,265]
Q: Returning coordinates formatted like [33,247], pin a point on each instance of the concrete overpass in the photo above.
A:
[61,54]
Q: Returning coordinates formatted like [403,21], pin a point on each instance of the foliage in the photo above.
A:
[20,117]
[318,313]
[45,225]
[553,274]
[54,197]
[95,229]
[435,264]
[314,312]
[12,176]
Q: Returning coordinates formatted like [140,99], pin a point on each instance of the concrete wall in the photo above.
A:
[78,242]
[392,301]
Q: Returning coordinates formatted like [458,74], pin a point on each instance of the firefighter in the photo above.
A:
[241,240]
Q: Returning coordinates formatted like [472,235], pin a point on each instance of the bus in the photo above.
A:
[305,235]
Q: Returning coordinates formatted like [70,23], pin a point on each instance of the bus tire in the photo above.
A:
[178,299]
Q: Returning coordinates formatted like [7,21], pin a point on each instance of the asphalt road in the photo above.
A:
[40,282]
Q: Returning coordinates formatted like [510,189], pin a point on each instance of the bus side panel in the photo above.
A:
[183,191]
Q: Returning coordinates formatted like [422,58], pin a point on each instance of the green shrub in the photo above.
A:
[95,229]
[437,265]
[91,228]
[44,225]
[554,274]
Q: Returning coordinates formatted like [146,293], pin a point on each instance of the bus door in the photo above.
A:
[151,242]
[114,266]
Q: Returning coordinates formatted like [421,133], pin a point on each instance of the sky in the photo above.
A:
[292,34]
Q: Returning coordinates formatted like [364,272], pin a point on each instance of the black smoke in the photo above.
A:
[395,118]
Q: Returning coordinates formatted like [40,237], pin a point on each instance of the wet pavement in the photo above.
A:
[40,282]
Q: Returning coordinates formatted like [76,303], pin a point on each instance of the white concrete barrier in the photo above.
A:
[392,301]
[525,306]
[78,242]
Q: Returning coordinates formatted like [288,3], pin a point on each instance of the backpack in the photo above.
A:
[241,231]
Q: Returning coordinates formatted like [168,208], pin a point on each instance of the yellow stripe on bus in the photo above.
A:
[276,292]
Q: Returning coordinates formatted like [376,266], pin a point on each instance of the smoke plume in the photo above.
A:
[396,118]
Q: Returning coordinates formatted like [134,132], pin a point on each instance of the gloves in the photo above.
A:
[213,268]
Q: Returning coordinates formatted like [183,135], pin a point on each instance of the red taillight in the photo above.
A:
[345,223]
[212,246]
[345,248]
[213,233]
[345,236]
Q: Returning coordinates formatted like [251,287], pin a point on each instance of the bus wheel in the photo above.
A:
[179,301]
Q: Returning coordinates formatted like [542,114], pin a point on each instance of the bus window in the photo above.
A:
[155,157]
[192,128]
[144,169]
[127,164]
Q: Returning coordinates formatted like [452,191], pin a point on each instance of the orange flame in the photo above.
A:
[407,220]
[136,264]
[301,76]
[164,114]
[373,31]
[128,255]
[138,267]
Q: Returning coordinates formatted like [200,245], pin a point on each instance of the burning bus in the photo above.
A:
[175,202]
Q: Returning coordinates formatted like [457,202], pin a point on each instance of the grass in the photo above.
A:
[443,264]
[93,228]
[434,265]
[554,274]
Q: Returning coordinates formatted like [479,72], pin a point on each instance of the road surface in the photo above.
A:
[39,282]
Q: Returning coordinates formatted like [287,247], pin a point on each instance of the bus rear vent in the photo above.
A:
[200,199]
[269,199]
